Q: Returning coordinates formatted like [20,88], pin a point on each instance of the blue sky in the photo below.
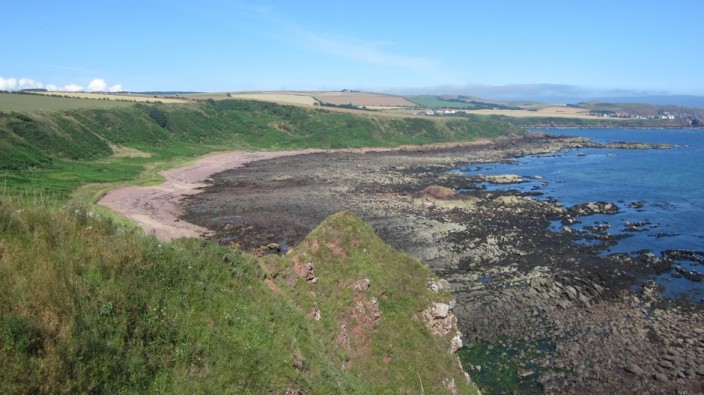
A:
[542,47]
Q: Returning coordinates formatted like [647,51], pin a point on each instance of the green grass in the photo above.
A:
[60,151]
[396,352]
[91,306]
[35,102]
[435,102]
[470,104]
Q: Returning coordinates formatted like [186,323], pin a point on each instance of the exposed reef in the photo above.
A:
[515,281]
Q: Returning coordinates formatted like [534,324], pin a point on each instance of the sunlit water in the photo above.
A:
[661,190]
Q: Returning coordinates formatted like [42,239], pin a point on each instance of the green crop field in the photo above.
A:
[33,102]
[435,102]
[469,104]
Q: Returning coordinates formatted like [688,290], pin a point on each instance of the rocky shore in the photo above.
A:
[516,283]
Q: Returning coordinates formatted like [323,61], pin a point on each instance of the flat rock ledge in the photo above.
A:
[513,280]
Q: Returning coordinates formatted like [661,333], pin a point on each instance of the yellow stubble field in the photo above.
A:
[115,96]
[547,112]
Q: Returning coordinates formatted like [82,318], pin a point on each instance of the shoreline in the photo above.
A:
[701,128]
[156,209]
[517,284]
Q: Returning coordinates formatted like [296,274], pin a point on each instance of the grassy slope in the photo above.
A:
[396,352]
[58,151]
[91,306]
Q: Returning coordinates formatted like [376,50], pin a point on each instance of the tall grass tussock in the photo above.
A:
[88,306]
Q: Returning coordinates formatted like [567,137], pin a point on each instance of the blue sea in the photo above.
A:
[662,191]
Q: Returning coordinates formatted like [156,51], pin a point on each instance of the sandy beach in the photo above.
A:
[156,208]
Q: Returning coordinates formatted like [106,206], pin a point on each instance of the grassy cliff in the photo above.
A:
[87,305]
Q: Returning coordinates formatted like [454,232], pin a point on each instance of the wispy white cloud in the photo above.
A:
[556,93]
[361,51]
[349,48]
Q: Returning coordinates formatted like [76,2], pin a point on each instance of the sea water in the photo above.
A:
[659,190]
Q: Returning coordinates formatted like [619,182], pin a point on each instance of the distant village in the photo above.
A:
[664,115]
[430,111]
[599,114]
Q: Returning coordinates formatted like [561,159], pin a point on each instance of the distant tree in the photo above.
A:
[228,94]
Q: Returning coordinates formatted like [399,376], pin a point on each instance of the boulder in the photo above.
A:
[456,343]
[502,179]
[440,310]
[438,192]
[438,286]
[591,208]
[666,364]
[660,377]
[635,369]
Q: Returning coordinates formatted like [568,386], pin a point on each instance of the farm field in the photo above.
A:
[21,102]
[115,96]
[362,99]
[309,99]
[435,102]
[290,98]
[386,108]
[551,112]
[62,101]
[472,103]
[278,97]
